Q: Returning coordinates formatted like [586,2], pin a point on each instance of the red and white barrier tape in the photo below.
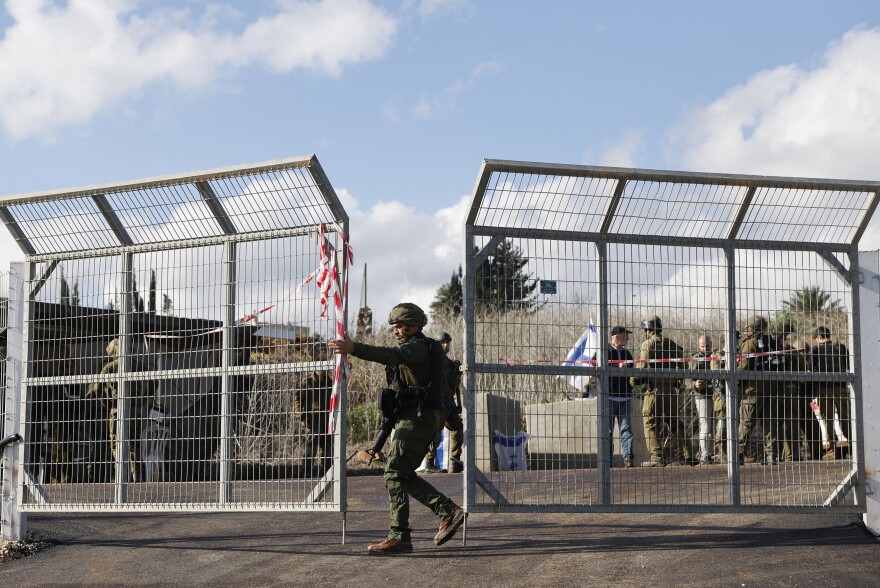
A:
[512,362]
[328,281]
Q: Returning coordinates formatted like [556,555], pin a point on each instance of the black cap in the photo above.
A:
[444,336]
[618,330]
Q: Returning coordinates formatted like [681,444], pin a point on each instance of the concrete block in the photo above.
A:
[493,412]
[564,435]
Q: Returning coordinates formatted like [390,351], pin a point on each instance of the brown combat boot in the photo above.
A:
[389,546]
[448,526]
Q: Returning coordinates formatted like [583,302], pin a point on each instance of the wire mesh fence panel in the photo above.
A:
[642,340]
[176,359]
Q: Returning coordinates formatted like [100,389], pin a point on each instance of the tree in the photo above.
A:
[69,297]
[167,304]
[501,284]
[449,297]
[811,299]
[151,301]
[137,301]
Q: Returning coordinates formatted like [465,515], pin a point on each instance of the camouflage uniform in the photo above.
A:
[794,407]
[756,396]
[103,395]
[453,421]
[660,403]
[415,428]
[313,398]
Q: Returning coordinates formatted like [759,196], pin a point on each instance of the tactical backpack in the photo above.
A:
[669,349]
[432,396]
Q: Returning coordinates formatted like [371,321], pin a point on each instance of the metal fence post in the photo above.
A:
[12,521]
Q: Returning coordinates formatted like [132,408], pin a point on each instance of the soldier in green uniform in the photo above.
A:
[313,399]
[660,403]
[453,422]
[411,369]
[794,405]
[103,395]
[755,396]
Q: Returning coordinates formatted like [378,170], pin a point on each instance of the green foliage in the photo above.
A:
[448,301]
[805,310]
[362,422]
[501,285]
[811,299]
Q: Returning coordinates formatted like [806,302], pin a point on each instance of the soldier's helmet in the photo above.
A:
[653,324]
[444,336]
[408,313]
[757,324]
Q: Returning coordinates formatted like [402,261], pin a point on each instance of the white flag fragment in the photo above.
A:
[583,351]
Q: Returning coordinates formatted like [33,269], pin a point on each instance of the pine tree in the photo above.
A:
[151,304]
[448,301]
[167,304]
[501,285]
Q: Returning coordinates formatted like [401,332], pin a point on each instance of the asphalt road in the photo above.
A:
[307,549]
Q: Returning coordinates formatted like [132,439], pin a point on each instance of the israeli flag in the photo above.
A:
[583,351]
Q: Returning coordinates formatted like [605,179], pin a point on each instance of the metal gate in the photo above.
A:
[174,343]
[763,271]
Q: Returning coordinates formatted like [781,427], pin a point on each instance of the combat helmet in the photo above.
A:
[757,324]
[408,313]
[444,336]
[653,324]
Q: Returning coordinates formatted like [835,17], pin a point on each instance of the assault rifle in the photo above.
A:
[389,404]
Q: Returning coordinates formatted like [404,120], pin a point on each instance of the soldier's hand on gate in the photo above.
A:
[341,346]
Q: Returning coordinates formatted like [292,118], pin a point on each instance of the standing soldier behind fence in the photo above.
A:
[831,357]
[796,413]
[313,398]
[104,395]
[755,397]
[660,404]
[69,428]
[453,422]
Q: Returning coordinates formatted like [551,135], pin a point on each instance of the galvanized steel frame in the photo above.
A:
[230,237]
[477,481]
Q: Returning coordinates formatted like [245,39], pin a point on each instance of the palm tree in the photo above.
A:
[811,299]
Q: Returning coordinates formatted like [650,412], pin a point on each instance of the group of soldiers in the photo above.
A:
[792,420]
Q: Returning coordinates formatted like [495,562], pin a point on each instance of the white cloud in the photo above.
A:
[623,153]
[62,63]
[792,121]
[409,254]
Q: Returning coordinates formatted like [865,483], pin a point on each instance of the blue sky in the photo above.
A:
[400,100]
